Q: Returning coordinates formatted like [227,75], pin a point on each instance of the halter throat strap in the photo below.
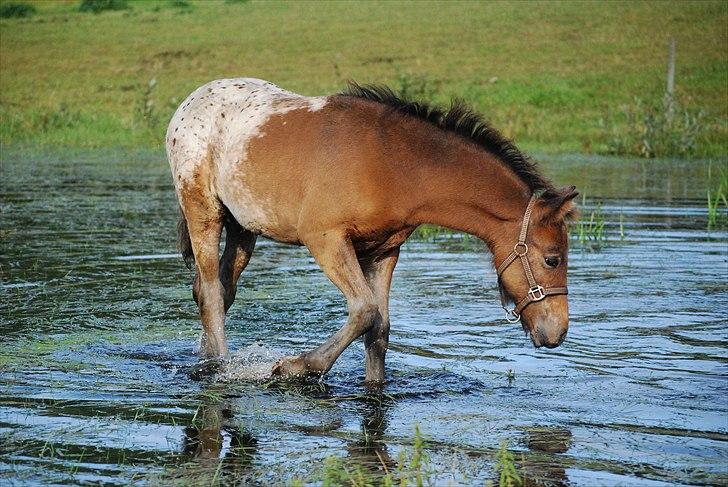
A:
[535,291]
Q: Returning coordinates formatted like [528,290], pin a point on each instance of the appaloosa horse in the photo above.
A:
[351,176]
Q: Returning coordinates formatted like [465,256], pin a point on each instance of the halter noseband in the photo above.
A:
[535,292]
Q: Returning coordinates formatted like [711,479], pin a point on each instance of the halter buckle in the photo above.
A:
[536,293]
[520,245]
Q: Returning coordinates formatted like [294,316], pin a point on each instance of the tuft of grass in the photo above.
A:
[659,129]
[717,194]
[16,10]
[413,468]
[430,233]
[592,230]
[506,468]
[98,6]
[414,86]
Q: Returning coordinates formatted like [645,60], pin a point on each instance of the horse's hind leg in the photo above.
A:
[204,216]
[379,277]
[239,244]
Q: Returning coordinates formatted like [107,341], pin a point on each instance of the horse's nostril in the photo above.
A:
[562,337]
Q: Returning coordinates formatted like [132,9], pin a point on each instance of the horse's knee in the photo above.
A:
[365,314]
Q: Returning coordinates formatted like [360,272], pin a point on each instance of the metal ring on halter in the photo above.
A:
[520,244]
[511,316]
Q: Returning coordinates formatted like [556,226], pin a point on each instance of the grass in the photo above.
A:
[413,469]
[16,10]
[547,74]
[717,194]
[506,468]
[591,229]
[658,129]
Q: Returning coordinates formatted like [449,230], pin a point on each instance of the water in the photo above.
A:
[98,330]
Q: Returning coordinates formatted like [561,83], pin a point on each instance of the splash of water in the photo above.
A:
[250,364]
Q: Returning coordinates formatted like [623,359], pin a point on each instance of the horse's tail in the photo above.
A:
[183,241]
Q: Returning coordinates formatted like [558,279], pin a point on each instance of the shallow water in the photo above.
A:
[98,329]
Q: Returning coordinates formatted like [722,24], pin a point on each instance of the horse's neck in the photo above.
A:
[474,193]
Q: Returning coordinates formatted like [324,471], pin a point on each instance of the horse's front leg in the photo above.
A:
[336,256]
[379,276]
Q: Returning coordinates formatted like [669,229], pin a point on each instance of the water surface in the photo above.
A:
[98,329]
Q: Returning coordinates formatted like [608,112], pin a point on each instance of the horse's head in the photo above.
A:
[532,270]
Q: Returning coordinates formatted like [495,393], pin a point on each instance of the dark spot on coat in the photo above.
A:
[174,142]
[222,115]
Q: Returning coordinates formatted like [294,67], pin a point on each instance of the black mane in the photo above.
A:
[461,120]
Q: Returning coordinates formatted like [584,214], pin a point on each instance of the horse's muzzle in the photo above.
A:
[540,338]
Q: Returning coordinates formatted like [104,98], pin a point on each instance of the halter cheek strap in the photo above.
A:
[535,292]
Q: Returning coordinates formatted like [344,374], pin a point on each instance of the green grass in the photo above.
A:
[551,75]
[717,196]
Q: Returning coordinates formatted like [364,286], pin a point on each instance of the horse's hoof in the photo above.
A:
[292,368]
[205,368]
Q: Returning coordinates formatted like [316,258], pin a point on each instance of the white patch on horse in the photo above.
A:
[221,118]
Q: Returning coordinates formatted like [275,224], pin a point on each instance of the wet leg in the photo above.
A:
[379,277]
[204,221]
[336,256]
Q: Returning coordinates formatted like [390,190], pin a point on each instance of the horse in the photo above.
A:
[351,176]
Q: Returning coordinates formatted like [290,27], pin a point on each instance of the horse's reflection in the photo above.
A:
[213,438]
[370,451]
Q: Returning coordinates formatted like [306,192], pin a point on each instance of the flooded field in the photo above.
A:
[98,328]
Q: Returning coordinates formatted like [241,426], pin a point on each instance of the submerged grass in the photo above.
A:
[546,74]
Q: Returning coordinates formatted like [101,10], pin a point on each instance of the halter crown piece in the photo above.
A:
[535,292]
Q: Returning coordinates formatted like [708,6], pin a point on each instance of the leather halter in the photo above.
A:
[535,292]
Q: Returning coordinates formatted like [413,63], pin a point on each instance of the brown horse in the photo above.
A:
[351,176]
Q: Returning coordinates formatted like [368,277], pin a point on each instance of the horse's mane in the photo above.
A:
[462,120]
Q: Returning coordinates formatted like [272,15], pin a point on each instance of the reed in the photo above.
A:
[592,230]
[717,193]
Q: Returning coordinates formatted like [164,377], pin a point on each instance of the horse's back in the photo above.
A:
[208,142]
[222,116]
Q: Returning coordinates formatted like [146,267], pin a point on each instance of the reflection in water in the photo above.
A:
[370,451]
[546,470]
[214,440]
[549,440]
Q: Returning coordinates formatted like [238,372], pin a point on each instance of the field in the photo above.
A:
[557,77]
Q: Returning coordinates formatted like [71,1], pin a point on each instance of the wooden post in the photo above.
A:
[669,94]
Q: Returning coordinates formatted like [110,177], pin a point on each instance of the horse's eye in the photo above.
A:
[552,261]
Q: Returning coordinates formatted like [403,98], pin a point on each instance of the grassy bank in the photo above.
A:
[558,77]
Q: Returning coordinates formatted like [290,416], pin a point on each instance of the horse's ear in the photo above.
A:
[559,204]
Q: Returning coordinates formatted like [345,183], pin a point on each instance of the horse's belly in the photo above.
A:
[258,213]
